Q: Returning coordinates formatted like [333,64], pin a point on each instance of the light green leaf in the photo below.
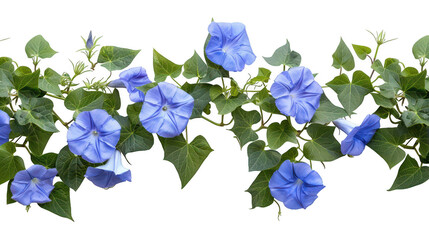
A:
[60,201]
[186,157]
[421,48]
[263,76]
[413,82]
[227,105]
[71,168]
[164,67]
[418,113]
[279,133]
[39,47]
[327,112]
[361,51]
[261,195]
[49,82]
[195,67]
[243,121]
[116,58]
[343,58]
[351,94]
[284,56]
[134,137]
[323,145]
[37,111]
[9,164]
[48,160]
[410,174]
[261,159]
[6,79]
[385,143]
[264,99]
[80,100]
[383,101]
[9,199]
[23,77]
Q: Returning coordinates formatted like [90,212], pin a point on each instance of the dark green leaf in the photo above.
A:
[279,133]
[323,146]
[261,159]
[164,67]
[421,48]
[80,100]
[383,101]
[71,168]
[23,77]
[112,102]
[186,157]
[227,105]
[133,112]
[37,111]
[201,94]
[343,58]
[134,137]
[290,154]
[9,164]
[386,143]
[361,51]
[265,101]
[261,195]
[409,71]
[37,139]
[421,132]
[116,58]
[243,121]
[195,67]
[351,94]
[48,160]
[39,47]
[417,113]
[413,82]
[284,56]
[327,111]
[6,79]
[49,82]
[60,201]
[9,199]
[410,174]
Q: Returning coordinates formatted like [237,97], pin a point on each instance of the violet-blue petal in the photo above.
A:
[94,135]
[33,185]
[89,41]
[229,46]
[297,94]
[132,78]
[295,184]
[166,110]
[110,174]
[116,84]
[4,127]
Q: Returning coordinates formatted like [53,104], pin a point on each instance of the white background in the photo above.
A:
[354,204]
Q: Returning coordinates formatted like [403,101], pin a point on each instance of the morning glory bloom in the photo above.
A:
[166,110]
[94,136]
[297,94]
[33,185]
[109,174]
[357,136]
[132,78]
[89,41]
[4,127]
[295,184]
[229,46]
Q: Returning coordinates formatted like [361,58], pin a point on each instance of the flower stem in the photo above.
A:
[280,210]
[59,119]
[54,96]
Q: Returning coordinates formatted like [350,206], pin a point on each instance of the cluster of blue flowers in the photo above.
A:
[166,111]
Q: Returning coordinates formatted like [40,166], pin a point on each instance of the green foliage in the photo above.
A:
[49,82]
[386,142]
[417,113]
[186,157]
[60,201]
[421,48]
[71,168]
[263,76]
[24,78]
[195,67]
[284,56]
[39,47]
[323,146]
[80,100]
[410,174]
[243,122]
[361,51]
[327,112]
[9,164]
[201,94]
[164,67]
[343,58]
[261,159]
[261,195]
[116,58]
[37,111]
[112,102]
[48,160]
[279,133]
[133,136]
[227,105]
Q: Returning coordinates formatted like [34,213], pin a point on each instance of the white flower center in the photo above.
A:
[35,180]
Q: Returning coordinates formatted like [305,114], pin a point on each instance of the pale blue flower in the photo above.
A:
[295,184]
[4,127]
[94,136]
[132,78]
[357,136]
[229,46]
[33,185]
[297,94]
[109,174]
[166,110]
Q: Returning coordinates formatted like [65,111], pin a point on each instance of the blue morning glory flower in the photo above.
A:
[4,127]
[109,174]
[357,136]
[166,110]
[229,46]
[89,41]
[132,78]
[297,94]
[33,185]
[94,135]
[295,184]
